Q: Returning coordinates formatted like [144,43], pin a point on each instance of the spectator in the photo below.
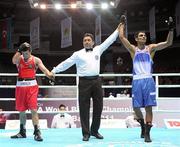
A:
[63,119]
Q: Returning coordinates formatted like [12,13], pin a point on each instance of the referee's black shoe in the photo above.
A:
[85,138]
[97,135]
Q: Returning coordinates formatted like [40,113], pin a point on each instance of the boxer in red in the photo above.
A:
[27,88]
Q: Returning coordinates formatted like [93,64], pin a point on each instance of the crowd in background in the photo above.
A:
[111,63]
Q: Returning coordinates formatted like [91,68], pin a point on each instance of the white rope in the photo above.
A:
[41,86]
[166,74]
[117,86]
[53,112]
[40,99]
[103,86]
[105,99]
[168,86]
[8,74]
[40,75]
[115,75]
[104,75]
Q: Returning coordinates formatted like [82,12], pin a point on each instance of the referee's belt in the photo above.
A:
[89,77]
[25,79]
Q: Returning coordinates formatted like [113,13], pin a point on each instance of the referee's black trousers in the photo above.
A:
[90,88]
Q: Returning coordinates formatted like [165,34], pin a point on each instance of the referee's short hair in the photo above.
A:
[89,35]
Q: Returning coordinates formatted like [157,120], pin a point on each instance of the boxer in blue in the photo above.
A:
[143,85]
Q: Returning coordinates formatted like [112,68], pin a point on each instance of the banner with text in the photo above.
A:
[5,29]
[178,19]
[152,22]
[66,32]
[98,30]
[35,33]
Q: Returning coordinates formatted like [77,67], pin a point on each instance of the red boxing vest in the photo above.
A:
[27,69]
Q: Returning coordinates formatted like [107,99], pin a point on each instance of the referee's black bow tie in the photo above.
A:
[89,49]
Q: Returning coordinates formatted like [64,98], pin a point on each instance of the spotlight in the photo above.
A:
[104,5]
[43,6]
[57,6]
[89,6]
[36,5]
[73,6]
[112,3]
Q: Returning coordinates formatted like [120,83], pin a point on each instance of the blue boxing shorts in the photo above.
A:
[143,92]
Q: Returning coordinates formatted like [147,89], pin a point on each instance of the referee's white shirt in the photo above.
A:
[87,63]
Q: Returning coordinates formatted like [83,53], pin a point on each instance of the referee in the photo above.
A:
[87,62]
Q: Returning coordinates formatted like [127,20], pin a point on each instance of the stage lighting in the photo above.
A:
[112,3]
[57,6]
[104,5]
[43,6]
[71,4]
[89,6]
[36,5]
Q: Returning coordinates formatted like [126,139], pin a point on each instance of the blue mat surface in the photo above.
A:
[161,137]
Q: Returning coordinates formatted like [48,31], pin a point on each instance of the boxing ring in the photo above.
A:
[165,132]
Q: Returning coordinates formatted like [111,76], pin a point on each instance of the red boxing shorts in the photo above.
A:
[26,95]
